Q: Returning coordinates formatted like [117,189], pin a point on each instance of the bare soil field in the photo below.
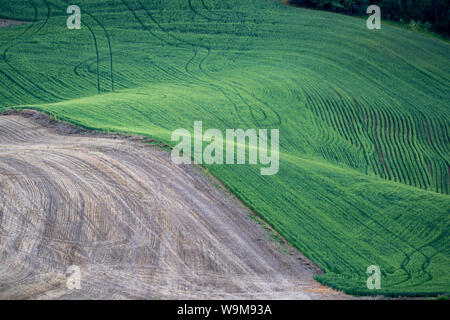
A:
[137,225]
[9,22]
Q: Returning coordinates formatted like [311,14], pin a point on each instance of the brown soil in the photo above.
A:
[9,22]
[136,224]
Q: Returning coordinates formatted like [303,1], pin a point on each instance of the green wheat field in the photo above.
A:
[363,115]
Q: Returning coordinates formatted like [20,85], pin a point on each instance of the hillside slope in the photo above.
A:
[363,115]
[137,225]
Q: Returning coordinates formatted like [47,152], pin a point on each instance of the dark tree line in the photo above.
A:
[431,15]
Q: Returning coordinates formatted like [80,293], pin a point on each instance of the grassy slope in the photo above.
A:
[363,115]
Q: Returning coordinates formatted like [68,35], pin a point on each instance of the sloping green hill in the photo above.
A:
[363,115]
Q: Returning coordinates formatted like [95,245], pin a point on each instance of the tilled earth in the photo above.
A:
[137,225]
[9,22]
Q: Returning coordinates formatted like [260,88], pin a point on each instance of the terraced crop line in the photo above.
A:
[136,224]
[109,44]
[237,87]
[405,148]
[3,56]
[17,73]
[96,46]
[216,83]
[168,40]
[209,18]
[222,17]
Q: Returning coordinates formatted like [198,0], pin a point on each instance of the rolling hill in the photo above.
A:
[363,115]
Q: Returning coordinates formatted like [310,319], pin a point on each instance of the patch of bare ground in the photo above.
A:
[138,226]
[10,22]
